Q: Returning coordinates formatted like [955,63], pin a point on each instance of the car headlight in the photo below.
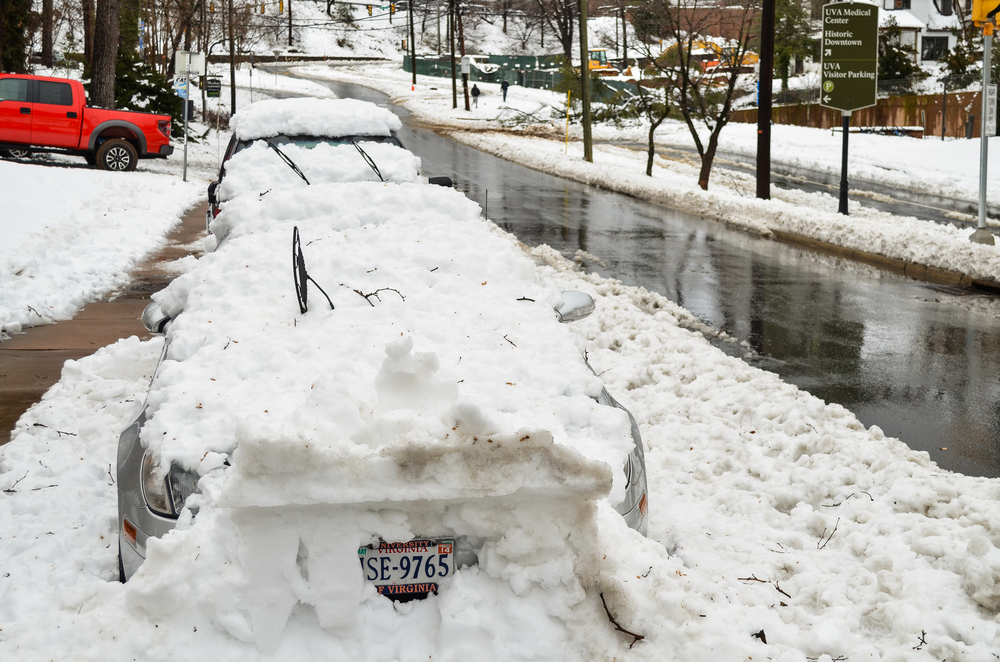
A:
[166,496]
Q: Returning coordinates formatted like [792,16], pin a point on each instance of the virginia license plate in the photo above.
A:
[407,568]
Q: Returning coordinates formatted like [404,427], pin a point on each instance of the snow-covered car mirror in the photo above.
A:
[576,306]
[441,181]
[154,319]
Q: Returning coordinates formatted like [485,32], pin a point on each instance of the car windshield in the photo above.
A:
[309,142]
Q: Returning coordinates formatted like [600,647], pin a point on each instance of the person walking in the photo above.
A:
[475,95]
[503,88]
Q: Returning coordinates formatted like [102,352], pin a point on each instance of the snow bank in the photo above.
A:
[313,117]
[71,235]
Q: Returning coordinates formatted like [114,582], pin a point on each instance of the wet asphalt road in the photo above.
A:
[921,361]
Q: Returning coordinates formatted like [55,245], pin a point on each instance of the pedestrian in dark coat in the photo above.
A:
[503,87]
[475,95]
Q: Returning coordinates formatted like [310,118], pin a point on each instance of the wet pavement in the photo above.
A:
[919,360]
[30,363]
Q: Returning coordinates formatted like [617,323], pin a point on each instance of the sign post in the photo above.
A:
[188,63]
[849,66]
[982,14]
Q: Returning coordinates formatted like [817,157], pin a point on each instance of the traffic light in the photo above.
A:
[281,6]
[392,7]
[211,7]
[262,8]
[984,10]
[369,9]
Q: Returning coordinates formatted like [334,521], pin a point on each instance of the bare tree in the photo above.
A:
[561,16]
[700,72]
[106,33]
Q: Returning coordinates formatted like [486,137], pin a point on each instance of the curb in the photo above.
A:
[912,270]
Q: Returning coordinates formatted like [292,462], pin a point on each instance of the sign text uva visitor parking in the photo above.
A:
[849,55]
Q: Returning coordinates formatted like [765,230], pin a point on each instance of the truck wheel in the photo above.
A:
[15,153]
[116,154]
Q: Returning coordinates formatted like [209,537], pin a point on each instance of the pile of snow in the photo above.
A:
[71,235]
[313,117]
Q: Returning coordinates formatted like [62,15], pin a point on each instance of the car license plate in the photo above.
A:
[407,568]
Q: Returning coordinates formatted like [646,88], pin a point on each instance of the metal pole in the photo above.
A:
[764,100]
[944,109]
[588,141]
[843,164]
[982,235]
[187,97]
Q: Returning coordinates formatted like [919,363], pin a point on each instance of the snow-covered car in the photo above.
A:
[280,143]
[395,411]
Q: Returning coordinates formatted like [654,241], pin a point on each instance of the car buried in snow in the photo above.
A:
[403,381]
[299,142]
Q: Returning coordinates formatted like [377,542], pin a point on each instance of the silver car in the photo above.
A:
[148,506]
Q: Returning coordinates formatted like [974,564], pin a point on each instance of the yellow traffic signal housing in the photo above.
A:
[369,9]
[262,8]
[281,6]
[211,7]
[984,10]
[392,7]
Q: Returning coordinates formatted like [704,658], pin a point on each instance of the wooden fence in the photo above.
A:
[912,111]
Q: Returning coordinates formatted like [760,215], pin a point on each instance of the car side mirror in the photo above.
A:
[576,306]
[441,181]
[211,193]
[154,319]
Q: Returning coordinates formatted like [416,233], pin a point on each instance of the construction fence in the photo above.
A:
[541,72]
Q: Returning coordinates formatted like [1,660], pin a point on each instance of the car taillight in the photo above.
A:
[164,127]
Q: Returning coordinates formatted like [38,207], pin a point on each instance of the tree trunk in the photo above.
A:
[88,31]
[706,161]
[651,153]
[47,33]
[106,33]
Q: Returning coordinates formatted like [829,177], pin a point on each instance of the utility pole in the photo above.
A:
[451,39]
[588,142]
[764,100]
[289,22]
[232,63]
[461,48]
[413,42]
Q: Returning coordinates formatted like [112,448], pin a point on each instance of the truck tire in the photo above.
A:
[117,154]
[16,153]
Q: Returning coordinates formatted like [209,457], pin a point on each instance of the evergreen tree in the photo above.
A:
[15,32]
[895,61]
[792,37]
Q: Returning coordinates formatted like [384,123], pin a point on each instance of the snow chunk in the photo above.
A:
[313,117]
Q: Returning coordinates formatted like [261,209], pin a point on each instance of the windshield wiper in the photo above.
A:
[288,161]
[368,160]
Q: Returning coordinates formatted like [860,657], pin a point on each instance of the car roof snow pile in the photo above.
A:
[439,397]
[313,117]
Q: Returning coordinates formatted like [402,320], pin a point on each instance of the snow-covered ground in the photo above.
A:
[780,528]
[71,235]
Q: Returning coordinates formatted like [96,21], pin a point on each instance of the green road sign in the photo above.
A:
[849,55]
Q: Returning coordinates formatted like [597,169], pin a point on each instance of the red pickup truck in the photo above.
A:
[40,114]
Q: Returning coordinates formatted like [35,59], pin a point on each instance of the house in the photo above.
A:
[925,24]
